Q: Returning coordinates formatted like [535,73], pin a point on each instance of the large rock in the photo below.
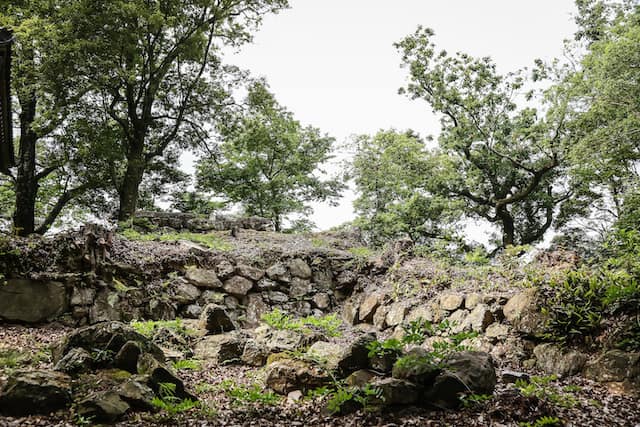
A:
[137,393]
[183,292]
[522,312]
[103,407]
[396,313]
[369,306]
[552,359]
[279,273]
[159,373]
[395,392]
[216,320]
[32,301]
[465,372]
[300,288]
[256,307]
[342,358]
[479,318]
[451,302]
[238,285]
[249,272]
[286,375]
[299,268]
[202,278]
[35,392]
[615,366]
[417,368]
[224,348]
[106,307]
[77,360]
[279,340]
[83,296]
[103,337]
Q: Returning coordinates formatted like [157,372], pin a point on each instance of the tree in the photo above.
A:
[48,174]
[392,171]
[605,126]
[269,162]
[156,68]
[505,160]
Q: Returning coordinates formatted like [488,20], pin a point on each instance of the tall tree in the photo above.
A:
[43,182]
[393,174]
[506,159]
[605,151]
[269,162]
[156,66]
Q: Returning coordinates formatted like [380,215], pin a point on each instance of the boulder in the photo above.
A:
[202,278]
[321,301]
[183,292]
[300,288]
[369,306]
[249,272]
[109,336]
[553,359]
[279,273]
[418,368]
[103,407]
[342,358]
[221,349]
[35,392]
[615,366]
[522,312]
[465,372]
[237,285]
[158,373]
[32,301]
[83,296]
[137,393]
[76,361]
[395,392]
[286,375]
[216,320]
[299,268]
[127,357]
[479,318]
[451,302]
[396,313]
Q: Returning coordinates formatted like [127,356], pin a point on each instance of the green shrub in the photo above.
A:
[278,319]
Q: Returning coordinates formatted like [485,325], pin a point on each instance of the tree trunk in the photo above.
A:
[508,228]
[130,186]
[26,187]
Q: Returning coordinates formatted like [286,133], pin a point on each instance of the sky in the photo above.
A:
[333,64]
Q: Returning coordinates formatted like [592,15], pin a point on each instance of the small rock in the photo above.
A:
[277,297]
[417,368]
[360,378]
[158,373]
[238,285]
[615,366]
[224,269]
[299,268]
[346,279]
[254,354]
[216,320]
[256,307]
[458,321]
[497,331]
[137,393]
[421,312]
[380,317]
[160,309]
[212,297]
[266,284]
[510,377]
[349,313]
[369,306]
[522,312]
[202,278]
[294,396]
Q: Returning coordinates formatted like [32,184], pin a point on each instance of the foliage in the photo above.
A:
[249,394]
[391,171]
[502,162]
[542,388]
[366,397]
[168,402]
[269,162]
[210,240]
[148,328]
[187,364]
[390,346]
[545,421]
[329,324]
[475,401]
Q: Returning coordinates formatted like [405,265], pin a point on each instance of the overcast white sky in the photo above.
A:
[332,63]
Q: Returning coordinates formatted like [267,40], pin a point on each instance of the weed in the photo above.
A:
[475,400]
[383,348]
[148,328]
[543,422]
[210,240]
[168,402]
[187,364]
[254,393]
[541,388]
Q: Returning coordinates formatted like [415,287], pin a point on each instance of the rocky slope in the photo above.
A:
[279,329]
